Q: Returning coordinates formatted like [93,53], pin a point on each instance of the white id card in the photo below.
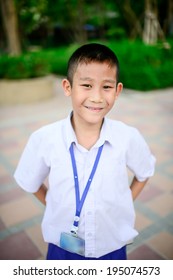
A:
[72,243]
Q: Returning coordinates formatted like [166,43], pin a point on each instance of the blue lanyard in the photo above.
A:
[79,203]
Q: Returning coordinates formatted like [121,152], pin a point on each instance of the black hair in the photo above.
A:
[92,52]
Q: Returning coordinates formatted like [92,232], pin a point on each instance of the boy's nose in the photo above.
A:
[96,97]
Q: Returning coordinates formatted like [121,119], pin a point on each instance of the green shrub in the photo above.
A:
[39,66]
[141,67]
[23,67]
[144,67]
[17,68]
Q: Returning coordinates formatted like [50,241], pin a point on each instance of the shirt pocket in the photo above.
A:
[61,185]
[114,177]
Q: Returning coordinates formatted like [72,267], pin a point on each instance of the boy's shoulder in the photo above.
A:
[121,132]
[49,128]
[49,132]
[119,126]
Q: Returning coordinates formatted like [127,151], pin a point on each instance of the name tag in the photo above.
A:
[72,243]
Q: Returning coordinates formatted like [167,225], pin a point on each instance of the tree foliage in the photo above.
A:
[54,22]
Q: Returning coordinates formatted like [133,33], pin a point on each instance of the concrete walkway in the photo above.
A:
[21,213]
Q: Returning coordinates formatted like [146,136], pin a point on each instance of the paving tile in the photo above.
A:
[163,205]
[11,195]
[144,252]
[5,179]
[169,169]
[35,125]
[13,161]
[149,193]
[3,170]
[35,235]
[161,156]
[18,247]
[9,133]
[18,211]
[162,182]
[2,226]
[10,149]
[162,242]
[142,221]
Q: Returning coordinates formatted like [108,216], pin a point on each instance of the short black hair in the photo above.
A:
[92,52]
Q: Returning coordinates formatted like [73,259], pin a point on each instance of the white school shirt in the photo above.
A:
[107,217]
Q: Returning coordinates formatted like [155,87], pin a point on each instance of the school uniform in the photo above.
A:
[107,217]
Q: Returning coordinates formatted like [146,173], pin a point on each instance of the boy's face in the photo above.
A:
[93,92]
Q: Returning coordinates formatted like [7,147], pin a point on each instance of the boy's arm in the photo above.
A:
[136,187]
[41,194]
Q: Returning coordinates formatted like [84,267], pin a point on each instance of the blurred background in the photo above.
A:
[37,38]
[36,41]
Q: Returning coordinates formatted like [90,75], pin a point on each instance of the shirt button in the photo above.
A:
[89,234]
[89,213]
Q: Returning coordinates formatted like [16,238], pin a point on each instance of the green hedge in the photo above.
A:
[141,67]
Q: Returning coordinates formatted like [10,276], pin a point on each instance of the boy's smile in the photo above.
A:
[93,92]
[95,109]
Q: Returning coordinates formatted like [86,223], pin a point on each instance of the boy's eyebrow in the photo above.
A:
[86,79]
[110,81]
[105,80]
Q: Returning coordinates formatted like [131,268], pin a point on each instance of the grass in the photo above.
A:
[141,67]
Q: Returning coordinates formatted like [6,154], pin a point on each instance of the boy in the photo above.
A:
[89,210]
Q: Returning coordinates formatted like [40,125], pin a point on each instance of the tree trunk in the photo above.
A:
[10,22]
[76,21]
[151,25]
[80,20]
[168,24]
[132,19]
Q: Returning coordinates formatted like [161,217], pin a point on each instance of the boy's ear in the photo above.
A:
[118,89]
[66,87]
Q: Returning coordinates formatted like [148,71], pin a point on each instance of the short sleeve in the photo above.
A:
[32,168]
[139,157]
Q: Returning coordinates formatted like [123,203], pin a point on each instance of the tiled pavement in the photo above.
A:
[21,213]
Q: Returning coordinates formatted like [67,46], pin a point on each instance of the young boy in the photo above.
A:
[89,212]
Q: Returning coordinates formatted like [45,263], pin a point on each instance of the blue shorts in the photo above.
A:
[57,253]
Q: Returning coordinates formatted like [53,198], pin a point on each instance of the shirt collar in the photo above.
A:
[70,134]
[105,134]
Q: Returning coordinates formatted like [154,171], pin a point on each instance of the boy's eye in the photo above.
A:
[107,87]
[86,85]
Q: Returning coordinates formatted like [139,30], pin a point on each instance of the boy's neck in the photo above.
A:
[86,134]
